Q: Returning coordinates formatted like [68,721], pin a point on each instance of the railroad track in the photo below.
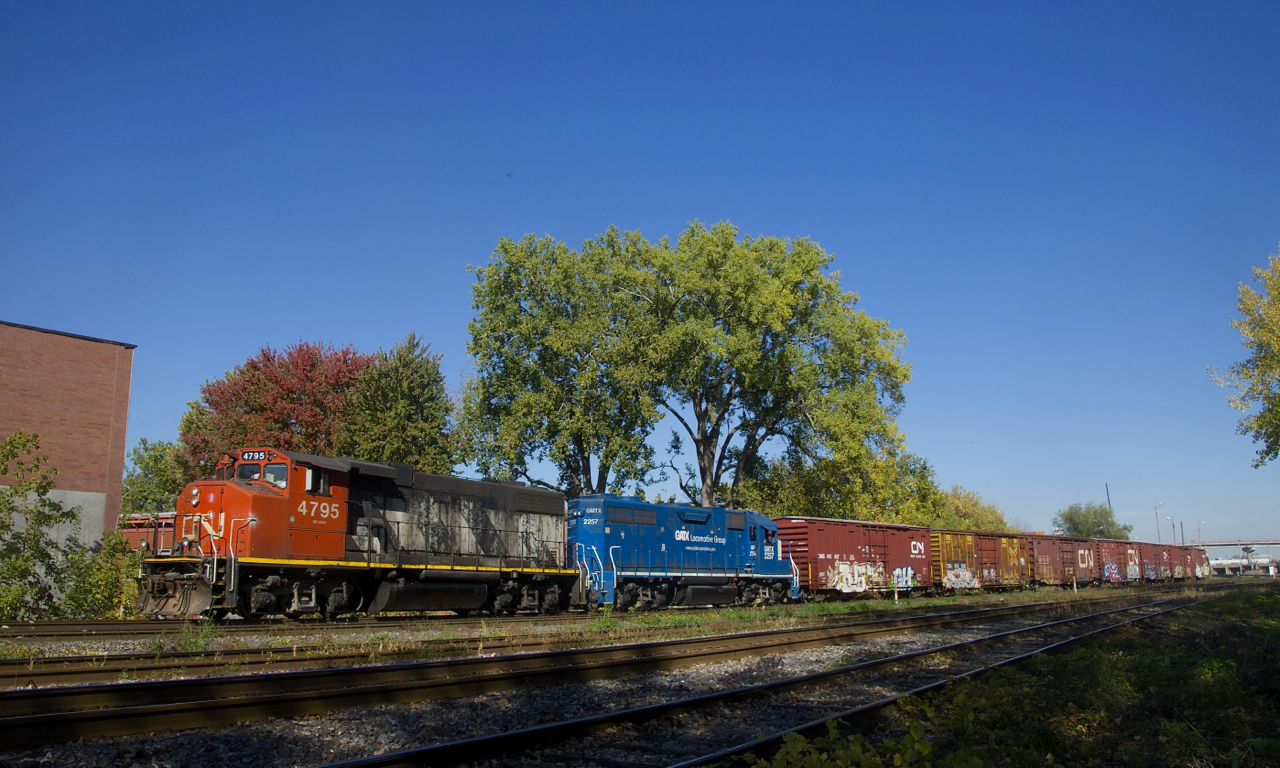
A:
[71,631]
[20,633]
[36,671]
[803,705]
[61,714]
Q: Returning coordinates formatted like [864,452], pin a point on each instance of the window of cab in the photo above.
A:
[318,481]
[248,471]
[277,475]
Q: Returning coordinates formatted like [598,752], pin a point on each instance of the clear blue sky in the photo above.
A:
[1055,201]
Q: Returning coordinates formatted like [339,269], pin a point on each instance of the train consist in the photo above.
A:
[835,557]
[284,533]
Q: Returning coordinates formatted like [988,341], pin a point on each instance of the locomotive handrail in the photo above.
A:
[614,563]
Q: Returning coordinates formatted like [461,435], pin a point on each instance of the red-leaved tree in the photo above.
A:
[295,400]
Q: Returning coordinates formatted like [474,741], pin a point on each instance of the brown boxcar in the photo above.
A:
[1185,562]
[849,556]
[1063,561]
[979,560]
[1117,561]
[1200,562]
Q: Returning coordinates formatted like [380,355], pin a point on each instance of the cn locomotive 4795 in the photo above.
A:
[277,532]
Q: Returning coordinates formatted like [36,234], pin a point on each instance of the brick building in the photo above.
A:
[73,391]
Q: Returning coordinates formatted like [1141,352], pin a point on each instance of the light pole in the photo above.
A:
[1182,529]
[1198,539]
[1173,528]
[1156,512]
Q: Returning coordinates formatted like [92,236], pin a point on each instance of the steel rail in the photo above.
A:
[514,743]
[60,714]
[69,631]
[28,632]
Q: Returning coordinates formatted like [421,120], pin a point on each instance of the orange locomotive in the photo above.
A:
[277,532]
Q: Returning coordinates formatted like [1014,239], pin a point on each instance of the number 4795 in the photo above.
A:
[324,508]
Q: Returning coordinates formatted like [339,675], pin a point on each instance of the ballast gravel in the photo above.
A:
[366,731]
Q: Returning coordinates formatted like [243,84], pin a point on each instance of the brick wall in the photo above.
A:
[73,391]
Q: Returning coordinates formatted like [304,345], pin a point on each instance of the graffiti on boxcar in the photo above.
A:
[1131,571]
[1150,571]
[844,576]
[905,578]
[1111,572]
[959,576]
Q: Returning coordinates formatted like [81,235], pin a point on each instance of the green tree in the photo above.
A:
[35,568]
[1091,521]
[558,375]
[886,489]
[1258,377]
[399,410]
[967,511]
[154,477]
[748,341]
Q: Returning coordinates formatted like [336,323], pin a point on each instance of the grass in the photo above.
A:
[1198,688]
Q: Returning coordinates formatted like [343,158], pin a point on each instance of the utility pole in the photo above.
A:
[1156,512]
[1184,532]
[1108,489]
[1173,530]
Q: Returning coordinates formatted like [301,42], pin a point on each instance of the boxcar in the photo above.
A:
[1117,561]
[1063,561]
[844,557]
[631,553]
[974,560]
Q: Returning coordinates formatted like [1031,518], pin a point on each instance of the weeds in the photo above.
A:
[1198,688]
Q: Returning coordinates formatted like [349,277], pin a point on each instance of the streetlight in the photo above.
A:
[1156,512]
[1183,530]
[1198,530]
[1173,528]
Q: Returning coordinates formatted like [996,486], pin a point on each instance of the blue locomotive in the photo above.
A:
[633,554]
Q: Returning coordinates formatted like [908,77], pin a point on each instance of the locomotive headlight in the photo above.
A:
[195,497]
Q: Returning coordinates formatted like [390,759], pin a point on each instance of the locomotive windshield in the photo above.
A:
[277,475]
[248,471]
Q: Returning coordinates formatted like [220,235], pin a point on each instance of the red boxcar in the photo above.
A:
[1188,563]
[848,556]
[1118,561]
[1200,563]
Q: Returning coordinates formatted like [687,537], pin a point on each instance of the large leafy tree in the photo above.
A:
[558,370]
[1258,377]
[740,340]
[388,406]
[1091,521]
[750,340]
[399,410]
[295,400]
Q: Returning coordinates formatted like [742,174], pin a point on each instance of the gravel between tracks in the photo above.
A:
[365,731]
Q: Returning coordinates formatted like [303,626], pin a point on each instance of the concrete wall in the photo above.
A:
[73,391]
